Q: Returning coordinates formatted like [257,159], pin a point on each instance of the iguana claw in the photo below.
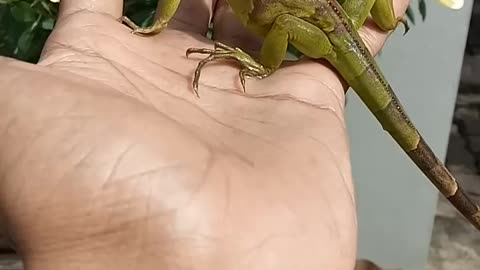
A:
[156,28]
[405,24]
[251,67]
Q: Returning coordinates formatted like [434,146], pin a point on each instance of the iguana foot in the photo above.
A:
[251,67]
[405,24]
[156,28]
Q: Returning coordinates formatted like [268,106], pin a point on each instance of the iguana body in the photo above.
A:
[328,29]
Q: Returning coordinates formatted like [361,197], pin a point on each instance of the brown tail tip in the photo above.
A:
[366,265]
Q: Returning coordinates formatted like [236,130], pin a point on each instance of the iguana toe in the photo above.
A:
[405,25]
[156,28]
[251,67]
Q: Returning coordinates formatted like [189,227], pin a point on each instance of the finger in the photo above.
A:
[192,16]
[229,30]
[373,37]
[113,8]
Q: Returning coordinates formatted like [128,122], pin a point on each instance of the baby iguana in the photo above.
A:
[328,29]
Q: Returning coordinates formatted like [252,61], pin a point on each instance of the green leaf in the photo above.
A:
[49,8]
[422,6]
[143,18]
[410,14]
[3,12]
[23,12]
[48,23]
[141,12]
[24,42]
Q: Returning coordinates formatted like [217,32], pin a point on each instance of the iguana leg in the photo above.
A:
[381,10]
[165,11]
[357,10]
[251,67]
[307,38]
[384,16]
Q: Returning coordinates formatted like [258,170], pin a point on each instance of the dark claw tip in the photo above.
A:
[195,90]
[188,52]
[405,25]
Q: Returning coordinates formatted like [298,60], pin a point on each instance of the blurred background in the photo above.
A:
[424,232]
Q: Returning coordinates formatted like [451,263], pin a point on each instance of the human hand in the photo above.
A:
[110,162]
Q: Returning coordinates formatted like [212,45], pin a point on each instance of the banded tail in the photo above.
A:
[379,97]
[357,66]
[423,156]
[395,121]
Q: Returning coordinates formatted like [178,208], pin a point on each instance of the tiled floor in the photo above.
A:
[455,243]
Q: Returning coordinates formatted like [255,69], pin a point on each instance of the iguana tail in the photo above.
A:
[430,165]
[357,66]
[436,171]
[377,94]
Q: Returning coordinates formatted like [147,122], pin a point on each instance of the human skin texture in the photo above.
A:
[109,161]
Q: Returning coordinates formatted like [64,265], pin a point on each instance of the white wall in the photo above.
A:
[396,203]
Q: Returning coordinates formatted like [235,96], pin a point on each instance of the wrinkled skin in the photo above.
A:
[108,160]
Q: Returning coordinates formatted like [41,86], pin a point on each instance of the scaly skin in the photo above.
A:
[328,29]
[371,86]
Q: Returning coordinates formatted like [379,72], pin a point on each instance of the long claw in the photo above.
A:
[198,71]
[128,22]
[223,46]
[405,24]
[251,68]
[199,50]
[156,28]
[242,80]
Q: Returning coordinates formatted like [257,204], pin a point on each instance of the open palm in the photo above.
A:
[109,161]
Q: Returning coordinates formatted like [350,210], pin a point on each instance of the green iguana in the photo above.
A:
[328,29]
